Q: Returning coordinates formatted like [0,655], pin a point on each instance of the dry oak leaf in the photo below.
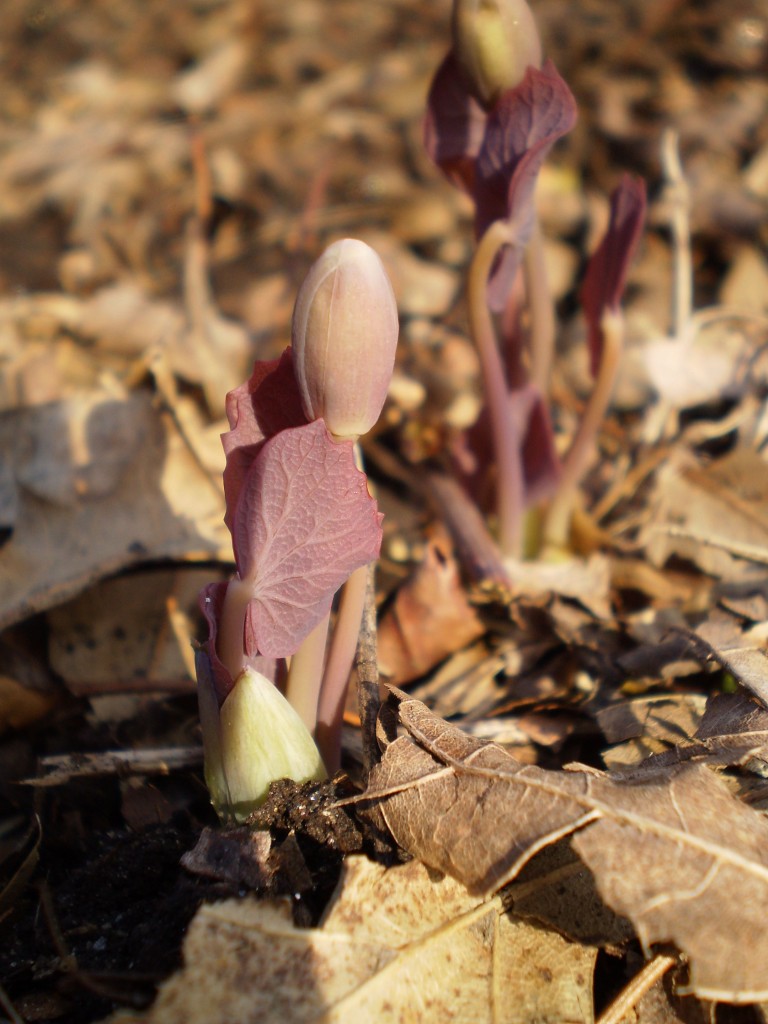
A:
[670,848]
[395,944]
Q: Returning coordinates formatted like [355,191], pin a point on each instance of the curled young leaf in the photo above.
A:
[454,125]
[606,274]
[304,522]
[521,129]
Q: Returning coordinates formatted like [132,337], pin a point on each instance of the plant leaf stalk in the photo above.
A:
[508,460]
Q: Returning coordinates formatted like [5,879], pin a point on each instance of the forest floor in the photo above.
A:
[168,174]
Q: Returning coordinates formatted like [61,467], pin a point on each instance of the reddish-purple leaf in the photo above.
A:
[217,676]
[304,522]
[211,671]
[521,129]
[454,125]
[266,404]
[606,274]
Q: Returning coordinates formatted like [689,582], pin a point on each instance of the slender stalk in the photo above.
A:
[576,461]
[508,461]
[678,193]
[330,709]
[542,311]
[302,687]
[230,643]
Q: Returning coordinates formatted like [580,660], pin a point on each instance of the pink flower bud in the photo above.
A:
[344,335]
[494,41]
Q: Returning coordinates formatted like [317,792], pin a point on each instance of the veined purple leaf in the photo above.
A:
[266,404]
[606,274]
[520,131]
[521,128]
[304,522]
[454,125]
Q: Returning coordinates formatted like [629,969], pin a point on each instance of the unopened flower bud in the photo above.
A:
[344,335]
[255,738]
[494,42]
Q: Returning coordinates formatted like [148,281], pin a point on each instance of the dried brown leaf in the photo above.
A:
[429,618]
[670,848]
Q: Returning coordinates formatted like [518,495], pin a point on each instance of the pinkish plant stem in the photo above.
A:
[302,687]
[507,450]
[330,710]
[558,518]
[230,642]
[542,313]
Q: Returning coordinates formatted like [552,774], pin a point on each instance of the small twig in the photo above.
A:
[367,668]
[157,761]
[678,194]
[642,982]
[749,552]
[9,1008]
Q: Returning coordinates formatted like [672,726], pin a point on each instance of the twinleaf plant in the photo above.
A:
[303,525]
[494,112]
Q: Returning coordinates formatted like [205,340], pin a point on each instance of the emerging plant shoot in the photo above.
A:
[302,522]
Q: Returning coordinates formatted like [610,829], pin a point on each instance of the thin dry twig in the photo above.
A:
[367,669]
[642,982]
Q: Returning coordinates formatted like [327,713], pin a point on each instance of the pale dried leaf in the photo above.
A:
[724,504]
[128,632]
[584,580]
[395,944]
[102,482]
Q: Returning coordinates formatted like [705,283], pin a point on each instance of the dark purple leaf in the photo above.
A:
[473,452]
[520,131]
[521,128]
[454,125]
[606,274]
[266,404]
[304,522]
[541,466]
